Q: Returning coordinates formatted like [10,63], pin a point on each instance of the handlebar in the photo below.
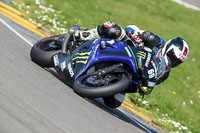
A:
[67,37]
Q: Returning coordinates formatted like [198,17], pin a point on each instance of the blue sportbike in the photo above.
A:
[96,68]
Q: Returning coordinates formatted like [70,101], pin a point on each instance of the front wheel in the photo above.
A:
[43,50]
[93,86]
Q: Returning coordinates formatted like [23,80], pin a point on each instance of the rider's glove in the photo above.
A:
[135,36]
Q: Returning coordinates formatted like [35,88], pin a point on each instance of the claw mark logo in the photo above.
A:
[85,53]
[141,54]
[81,57]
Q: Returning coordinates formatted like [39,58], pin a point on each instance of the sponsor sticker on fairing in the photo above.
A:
[95,41]
[69,66]
[63,65]
[148,60]
[128,52]
[154,66]
[56,60]
[95,51]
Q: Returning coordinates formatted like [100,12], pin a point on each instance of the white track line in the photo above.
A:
[17,33]
[147,130]
[188,5]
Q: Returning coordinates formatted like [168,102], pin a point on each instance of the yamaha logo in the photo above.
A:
[148,60]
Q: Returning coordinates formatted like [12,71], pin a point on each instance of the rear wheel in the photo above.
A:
[91,85]
[43,50]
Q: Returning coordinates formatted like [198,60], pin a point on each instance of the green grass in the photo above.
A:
[165,18]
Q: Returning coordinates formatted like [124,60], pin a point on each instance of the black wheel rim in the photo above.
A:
[96,81]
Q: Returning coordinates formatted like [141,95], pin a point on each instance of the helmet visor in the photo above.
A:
[173,58]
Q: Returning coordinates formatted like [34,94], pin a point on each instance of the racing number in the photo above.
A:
[151,73]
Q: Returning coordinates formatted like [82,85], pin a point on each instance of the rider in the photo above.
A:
[174,52]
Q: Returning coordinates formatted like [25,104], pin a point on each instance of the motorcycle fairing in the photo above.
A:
[111,51]
[69,66]
[96,51]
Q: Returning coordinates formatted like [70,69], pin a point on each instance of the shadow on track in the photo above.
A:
[115,112]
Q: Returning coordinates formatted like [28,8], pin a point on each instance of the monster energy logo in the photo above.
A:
[141,54]
[81,58]
[85,53]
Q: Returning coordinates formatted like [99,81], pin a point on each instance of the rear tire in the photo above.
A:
[41,53]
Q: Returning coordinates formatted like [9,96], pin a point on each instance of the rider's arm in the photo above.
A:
[150,39]
[163,78]
[147,85]
[146,77]
[145,89]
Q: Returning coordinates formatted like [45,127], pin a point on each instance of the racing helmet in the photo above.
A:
[177,51]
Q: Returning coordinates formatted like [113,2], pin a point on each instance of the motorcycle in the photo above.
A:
[104,68]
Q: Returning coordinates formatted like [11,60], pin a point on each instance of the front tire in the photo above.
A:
[84,85]
[42,52]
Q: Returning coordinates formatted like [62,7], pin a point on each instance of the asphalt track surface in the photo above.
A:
[33,100]
[193,2]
